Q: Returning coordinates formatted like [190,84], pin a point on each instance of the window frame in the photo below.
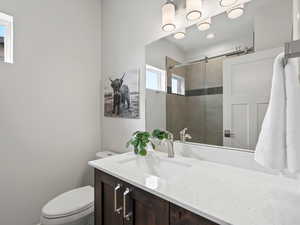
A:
[161,82]
[7,22]
[181,84]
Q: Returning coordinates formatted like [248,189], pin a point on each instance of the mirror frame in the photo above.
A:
[162,35]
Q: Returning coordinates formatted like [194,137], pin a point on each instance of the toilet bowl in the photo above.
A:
[73,207]
[69,207]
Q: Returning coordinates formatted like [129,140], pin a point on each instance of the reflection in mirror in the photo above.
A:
[6,38]
[2,35]
[217,81]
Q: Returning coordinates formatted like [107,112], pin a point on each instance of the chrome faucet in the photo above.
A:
[184,136]
[171,152]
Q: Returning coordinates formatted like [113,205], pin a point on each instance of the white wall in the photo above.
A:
[273,25]
[219,48]
[296,19]
[157,51]
[49,104]
[296,24]
[127,27]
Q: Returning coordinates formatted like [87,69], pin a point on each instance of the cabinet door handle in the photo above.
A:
[116,209]
[125,214]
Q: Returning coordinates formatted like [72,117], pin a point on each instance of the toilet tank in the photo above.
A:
[99,155]
[104,154]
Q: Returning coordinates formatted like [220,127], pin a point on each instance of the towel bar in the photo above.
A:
[291,50]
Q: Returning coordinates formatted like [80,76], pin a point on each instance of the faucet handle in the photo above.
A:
[184,135]
[183,130]
[170,135]
[188,136]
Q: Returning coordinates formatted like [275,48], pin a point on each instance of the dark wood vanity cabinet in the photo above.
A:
[119,203]
[180,216]
[147,209]
[104,200]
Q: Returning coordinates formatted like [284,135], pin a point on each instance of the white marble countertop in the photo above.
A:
[221,193]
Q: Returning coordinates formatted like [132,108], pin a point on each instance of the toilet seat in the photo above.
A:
[69,206]
[67,219]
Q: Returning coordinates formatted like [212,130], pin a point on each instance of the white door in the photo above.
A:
[247,85]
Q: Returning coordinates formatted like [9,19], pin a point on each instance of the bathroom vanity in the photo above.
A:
[216,83]
[118,202]
[157,190]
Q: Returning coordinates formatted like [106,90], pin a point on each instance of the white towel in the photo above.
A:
[278,146]
[270,149]
[293,116]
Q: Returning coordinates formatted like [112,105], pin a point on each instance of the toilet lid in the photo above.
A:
[69,203]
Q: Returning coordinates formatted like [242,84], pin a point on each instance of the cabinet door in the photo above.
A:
[180,216]
[145,208]
[105,200]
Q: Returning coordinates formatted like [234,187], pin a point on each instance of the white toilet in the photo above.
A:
[73,207]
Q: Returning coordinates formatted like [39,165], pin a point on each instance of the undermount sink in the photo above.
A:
[155,165]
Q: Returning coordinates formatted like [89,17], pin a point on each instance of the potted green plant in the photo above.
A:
[160,134]
[141,140]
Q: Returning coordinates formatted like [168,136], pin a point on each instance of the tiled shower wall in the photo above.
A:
[201,110]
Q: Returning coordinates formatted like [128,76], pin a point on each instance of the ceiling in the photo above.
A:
[223,28]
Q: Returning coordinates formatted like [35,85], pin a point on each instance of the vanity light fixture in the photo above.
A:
[235,12]
[204,25]
[193,9]
[227,3]
[168,16]
[211,36]
[180,34]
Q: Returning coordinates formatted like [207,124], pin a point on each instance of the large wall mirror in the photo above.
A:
[216,82]
[6,38]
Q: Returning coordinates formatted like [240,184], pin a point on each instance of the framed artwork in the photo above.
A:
[122,95]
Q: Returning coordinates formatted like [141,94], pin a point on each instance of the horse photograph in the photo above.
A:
[121,95]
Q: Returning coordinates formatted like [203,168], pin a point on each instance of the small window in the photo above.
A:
[6,38]
[155,78]
[178,85]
